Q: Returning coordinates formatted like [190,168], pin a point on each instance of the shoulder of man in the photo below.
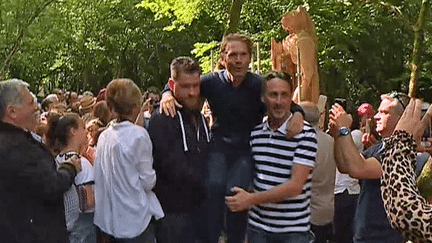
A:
[323,135]
[160,122]
[308,128]
[212,76]
[377,151]
[156,116]
[254,79]
[14,136]
[307,134]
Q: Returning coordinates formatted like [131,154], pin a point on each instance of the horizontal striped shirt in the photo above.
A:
[274,156]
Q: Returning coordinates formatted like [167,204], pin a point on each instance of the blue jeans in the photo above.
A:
[226,170]
[181,228]
[256,235]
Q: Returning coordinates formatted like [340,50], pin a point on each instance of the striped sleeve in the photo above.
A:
[305,152]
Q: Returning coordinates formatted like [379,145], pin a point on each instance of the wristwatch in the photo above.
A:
[344,131]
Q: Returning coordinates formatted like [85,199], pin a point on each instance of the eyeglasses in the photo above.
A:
[401,97]
[281,75]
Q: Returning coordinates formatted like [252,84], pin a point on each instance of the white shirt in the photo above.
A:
[86,174]
[124,178]
[344,181]
[70,197]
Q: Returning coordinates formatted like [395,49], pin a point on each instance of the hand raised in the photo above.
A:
[340,118]
[411,123]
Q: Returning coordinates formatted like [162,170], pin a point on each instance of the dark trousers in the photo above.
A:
[83,229]
[145,237]
[181,228]
[226,170]
[322,233]
[343,221]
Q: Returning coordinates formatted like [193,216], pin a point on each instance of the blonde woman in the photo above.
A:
[124,175]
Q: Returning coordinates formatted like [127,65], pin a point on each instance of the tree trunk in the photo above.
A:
[234,16]
[424,181]
[417,40]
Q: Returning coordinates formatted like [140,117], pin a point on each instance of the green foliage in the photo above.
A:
[83,44]
[183,12]
[202,51]
[364,46]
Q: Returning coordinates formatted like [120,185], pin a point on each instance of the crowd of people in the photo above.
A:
[123,166]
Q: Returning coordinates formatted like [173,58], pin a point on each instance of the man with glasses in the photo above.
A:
[371,223]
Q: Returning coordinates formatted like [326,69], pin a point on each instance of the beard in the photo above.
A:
[192,104]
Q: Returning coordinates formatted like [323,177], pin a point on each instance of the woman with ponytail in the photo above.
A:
[67,138]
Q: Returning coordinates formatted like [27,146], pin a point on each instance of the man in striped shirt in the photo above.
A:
[279,206]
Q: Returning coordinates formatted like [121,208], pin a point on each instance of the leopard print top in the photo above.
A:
[406,209]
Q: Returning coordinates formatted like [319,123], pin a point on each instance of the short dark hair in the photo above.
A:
[184,65]
[235,37]
[276,74]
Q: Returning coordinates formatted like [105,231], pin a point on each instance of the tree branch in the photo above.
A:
[416,47]
[19,38]
[398,13]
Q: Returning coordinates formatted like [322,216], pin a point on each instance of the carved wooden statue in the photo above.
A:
[302,41]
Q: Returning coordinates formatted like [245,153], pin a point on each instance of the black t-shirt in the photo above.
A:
[237,110]
[371,223]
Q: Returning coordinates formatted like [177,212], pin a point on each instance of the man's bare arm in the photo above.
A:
[347,157]
[350,160]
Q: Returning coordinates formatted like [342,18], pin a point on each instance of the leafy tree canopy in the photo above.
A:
[365,46]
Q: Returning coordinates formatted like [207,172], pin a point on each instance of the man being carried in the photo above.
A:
[180,152]
[371,223]
[280,204]
[234,95]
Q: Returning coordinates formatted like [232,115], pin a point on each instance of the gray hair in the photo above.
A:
[10,94]
[311,111]
[400,100]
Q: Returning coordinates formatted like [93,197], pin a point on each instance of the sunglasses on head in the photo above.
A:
[281,75]
[401,97]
